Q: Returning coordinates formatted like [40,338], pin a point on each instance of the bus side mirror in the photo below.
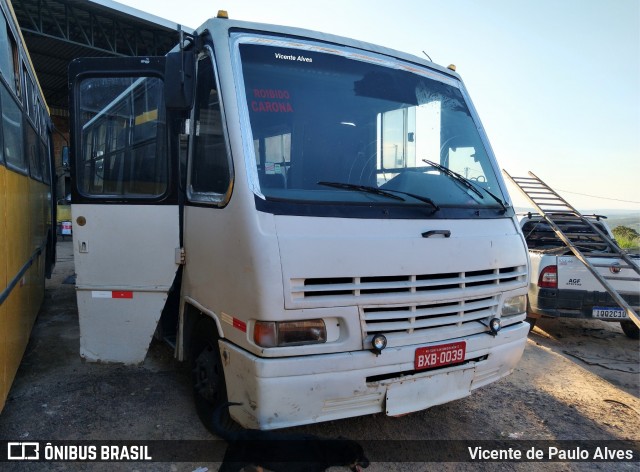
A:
[179,80]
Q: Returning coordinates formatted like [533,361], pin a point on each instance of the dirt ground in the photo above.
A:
[578,380]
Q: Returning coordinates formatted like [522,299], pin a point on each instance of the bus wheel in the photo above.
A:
[209,388]
[630,329]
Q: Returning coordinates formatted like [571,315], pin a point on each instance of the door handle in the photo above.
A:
[437,232]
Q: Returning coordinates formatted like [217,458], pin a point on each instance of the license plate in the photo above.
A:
[435,356]
[611,313]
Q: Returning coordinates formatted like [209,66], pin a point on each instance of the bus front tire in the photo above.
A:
[207,374]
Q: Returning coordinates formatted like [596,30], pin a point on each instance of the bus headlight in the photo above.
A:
[289,333]
[514,305]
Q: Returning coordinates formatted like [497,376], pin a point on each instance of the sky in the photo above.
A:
[556,82]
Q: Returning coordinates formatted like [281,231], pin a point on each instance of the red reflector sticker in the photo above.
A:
[436,356]
[236,323]
[241,325]
[112,294]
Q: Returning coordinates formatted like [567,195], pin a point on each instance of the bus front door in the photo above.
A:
[125,210]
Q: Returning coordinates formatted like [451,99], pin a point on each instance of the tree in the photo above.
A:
[625,232]
[626,237]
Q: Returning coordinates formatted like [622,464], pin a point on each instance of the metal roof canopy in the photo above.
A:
[58,31]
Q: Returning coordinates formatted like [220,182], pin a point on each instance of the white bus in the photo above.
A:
[318,224]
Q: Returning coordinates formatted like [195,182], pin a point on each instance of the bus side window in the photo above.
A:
[33,150]
[12,131]
[11,114]
[9,64]
[29,86]
[209,171]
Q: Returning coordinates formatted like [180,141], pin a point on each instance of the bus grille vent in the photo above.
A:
[362,290]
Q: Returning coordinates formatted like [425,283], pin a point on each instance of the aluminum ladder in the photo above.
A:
[558,212]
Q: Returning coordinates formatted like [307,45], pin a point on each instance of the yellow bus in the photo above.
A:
[27,237]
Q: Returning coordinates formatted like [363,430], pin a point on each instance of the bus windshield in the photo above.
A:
[334,125]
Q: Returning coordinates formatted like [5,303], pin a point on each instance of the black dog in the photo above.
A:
[285,452]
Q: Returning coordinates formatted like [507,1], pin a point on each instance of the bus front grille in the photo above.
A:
[410,309]
[336,291]
[431,322]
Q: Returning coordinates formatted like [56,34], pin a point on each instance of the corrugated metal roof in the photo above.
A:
[58,31]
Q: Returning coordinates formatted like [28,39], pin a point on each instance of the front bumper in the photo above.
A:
[283,392]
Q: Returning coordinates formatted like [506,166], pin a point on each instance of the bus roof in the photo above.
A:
[216,24]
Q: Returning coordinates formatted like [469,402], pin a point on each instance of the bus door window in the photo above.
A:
[123,138]
[209,170]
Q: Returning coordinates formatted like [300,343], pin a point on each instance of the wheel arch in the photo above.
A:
[191,314]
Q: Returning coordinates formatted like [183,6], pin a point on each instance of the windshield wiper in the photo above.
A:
[495,197]
[455,176]
[417,197]
[378,191]
[361,188]
[465,182]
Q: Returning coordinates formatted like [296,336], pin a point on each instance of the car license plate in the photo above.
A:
[610,313]
[435,356]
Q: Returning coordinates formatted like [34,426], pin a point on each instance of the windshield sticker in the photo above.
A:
[292,57]
[344,51]
[271,101]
